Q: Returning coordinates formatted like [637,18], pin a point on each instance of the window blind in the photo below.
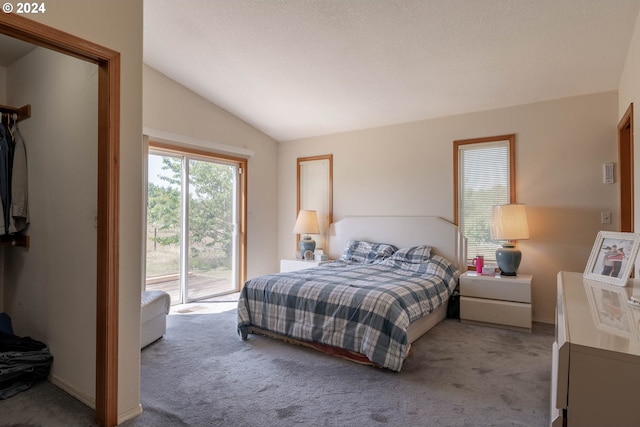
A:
[483,183]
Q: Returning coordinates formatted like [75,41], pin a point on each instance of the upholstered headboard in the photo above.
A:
[401,231]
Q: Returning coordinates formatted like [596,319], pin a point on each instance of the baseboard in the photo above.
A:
[90,401]
[131,413]
[548,321]
[495,325]
[82,397]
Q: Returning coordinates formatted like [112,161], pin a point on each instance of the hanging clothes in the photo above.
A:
[6,160]
[14,215]
[19,202]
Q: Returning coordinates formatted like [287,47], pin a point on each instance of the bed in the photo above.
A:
[389,285]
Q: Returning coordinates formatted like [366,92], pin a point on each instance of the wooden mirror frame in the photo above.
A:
[299,186]
[107,284]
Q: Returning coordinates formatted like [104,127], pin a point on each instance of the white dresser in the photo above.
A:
[596,354]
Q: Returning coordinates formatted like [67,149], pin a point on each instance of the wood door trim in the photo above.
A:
[107,284]
[625,150]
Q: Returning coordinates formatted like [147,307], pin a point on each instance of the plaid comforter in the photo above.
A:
[365,308]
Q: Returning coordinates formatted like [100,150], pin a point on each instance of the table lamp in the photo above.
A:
[509,223]
[307,223]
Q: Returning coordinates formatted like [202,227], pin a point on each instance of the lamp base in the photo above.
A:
[307,244]
[508,258]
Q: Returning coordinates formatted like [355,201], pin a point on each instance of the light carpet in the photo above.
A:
[202,374]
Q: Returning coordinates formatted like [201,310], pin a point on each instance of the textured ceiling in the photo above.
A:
[300,68]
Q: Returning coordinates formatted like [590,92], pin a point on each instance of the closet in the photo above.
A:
[49,289]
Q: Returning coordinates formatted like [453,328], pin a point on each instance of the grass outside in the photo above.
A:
[164,260]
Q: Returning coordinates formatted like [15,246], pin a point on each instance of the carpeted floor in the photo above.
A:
[202,374]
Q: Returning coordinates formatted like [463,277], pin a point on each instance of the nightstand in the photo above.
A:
[297,264]
[499,301]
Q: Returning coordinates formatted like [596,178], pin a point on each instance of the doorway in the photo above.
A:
[195,211]
[625,166]
[108,175]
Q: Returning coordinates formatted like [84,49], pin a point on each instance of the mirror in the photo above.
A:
[315,192]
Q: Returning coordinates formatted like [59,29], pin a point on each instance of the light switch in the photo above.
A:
[605,217]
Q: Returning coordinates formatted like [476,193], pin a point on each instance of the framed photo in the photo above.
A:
[612,257]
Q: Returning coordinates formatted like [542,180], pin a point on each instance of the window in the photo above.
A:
[315,192]
[484,176]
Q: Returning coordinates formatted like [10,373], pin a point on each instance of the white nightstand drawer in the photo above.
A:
[496,312]
[287,265]
[517,289]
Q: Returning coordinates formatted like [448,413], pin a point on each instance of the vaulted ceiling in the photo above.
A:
[301,68]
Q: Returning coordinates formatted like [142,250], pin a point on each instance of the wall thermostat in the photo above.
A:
[607,173]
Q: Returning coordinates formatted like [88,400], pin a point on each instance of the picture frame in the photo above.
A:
[612,257]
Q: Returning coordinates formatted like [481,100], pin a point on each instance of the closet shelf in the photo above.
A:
[23,112]
[14,240]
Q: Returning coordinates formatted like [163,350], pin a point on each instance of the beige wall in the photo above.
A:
[408,170]
[116,24]
[172,108]
[629,92]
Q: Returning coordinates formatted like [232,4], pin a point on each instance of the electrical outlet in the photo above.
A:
[605,217]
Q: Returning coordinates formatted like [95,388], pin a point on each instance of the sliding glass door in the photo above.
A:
[164,225]
[211,224]
[193,222]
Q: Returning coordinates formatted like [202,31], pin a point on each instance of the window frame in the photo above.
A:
[511,138]
[325,210]
[168,149]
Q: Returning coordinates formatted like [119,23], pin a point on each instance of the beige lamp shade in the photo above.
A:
[307,223]
[509,223]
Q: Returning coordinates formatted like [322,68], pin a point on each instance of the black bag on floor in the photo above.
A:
[23,362]
[453,309]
